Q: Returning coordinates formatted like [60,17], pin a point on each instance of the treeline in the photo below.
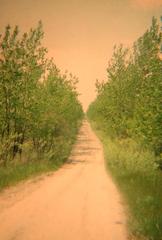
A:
[127,115]
[39,107]
[129,103]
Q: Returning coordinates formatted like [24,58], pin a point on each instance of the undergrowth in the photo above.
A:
[31,164]
[139,179]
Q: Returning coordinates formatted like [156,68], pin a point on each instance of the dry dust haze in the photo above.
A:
[80,34]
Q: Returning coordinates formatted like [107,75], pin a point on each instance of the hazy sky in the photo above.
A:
[80,34]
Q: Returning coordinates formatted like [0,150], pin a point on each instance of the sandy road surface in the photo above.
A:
[78,202]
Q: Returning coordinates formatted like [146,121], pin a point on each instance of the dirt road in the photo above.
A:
[78,202]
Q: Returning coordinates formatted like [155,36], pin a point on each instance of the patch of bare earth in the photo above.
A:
[78,202]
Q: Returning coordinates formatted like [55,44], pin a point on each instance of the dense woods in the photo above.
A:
[39,108]
[127,115]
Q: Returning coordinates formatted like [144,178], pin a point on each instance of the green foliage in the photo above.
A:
[128,109]
[129,103]
[15,173]
[39,106]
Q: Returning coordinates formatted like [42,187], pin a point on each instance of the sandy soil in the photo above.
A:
[78,202]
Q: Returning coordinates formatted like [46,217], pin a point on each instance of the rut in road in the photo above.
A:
[77,202]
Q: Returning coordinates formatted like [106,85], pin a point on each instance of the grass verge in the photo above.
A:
[12,174]
[136,173]
[32,165]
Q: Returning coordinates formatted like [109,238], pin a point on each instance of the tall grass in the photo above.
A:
[13,174]
[31,164]
[136,173]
